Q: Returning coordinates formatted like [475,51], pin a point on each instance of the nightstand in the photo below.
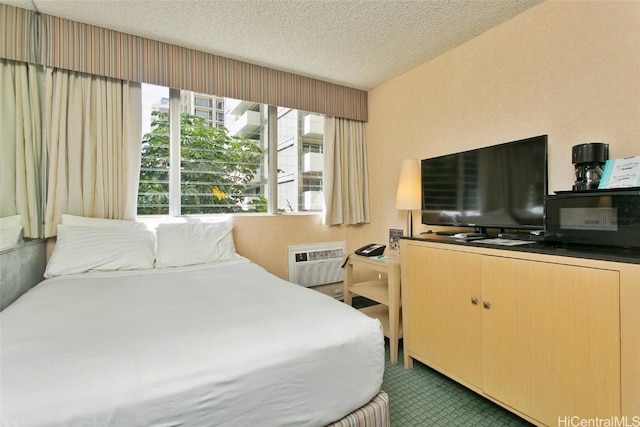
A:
[385,291]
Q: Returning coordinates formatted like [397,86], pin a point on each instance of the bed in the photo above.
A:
[218,343]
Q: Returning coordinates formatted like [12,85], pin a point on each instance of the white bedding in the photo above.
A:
[227,344]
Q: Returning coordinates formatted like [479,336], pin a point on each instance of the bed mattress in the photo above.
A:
[225,344]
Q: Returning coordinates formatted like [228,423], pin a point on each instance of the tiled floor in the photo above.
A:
[425,398]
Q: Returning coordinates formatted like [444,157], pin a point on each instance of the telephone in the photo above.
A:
[372,249]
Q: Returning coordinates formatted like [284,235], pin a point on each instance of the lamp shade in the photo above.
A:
[409,192]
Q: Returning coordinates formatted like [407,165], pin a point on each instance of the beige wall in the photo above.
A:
[264,239]
[567,69]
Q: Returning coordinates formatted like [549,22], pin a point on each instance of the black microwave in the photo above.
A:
[597,217]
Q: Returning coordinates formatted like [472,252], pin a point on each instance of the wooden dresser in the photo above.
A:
[548,336]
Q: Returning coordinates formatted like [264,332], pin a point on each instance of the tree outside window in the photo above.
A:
[217,169]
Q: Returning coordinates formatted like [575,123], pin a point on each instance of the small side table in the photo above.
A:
[384,291]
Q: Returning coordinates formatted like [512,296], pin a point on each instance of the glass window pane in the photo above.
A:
[300,160]
[222,166]
[153,190]
[224,155]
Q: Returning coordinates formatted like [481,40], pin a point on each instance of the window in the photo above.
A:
[153,190]
[201,102]
[223,164]
[203,114]
[312,148]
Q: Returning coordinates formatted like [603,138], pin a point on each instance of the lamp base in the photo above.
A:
[409,224]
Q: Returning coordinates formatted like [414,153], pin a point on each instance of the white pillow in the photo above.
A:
[85,221]
[83,249]
[193,243]
[10,229]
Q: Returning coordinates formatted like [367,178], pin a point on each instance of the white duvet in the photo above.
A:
[223,345]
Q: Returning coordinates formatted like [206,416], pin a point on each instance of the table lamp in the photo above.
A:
[409,190]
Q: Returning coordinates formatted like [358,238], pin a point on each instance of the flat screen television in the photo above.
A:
[501,186]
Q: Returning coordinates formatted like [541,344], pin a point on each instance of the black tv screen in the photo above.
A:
[500,186]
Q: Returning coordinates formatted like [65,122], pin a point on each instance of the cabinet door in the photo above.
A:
[551,339]
[443,324]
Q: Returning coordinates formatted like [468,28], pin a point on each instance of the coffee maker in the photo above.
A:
[588,160]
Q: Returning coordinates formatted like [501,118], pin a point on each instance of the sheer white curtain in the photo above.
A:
[346,183]
[20,144]
[93,131]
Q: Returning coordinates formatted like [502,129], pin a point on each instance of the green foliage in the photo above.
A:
[216,168]
[153,190]
[258,204]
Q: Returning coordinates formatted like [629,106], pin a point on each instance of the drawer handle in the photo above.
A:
[474,301]
[486,304]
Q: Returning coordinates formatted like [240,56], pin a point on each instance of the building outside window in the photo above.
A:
[223,162]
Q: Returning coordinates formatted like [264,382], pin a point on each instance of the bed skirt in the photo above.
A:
[373,414]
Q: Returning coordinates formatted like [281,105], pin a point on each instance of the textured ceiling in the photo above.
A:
[356,43]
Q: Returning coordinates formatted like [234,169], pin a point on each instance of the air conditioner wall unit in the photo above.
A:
[314,264]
